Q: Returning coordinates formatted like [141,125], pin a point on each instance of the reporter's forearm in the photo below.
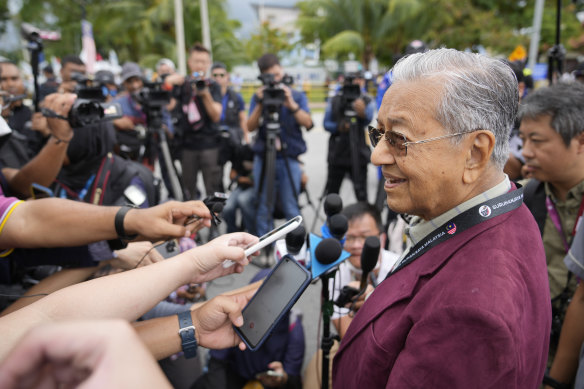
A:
[42,169]
[160,335]
[303,118]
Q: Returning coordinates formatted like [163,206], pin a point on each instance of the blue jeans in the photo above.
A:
[282,192]
[244,200]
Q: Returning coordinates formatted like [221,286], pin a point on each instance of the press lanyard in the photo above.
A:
[469,218]
[555,217]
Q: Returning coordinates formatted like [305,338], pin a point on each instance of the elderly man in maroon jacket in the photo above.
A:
[467,305]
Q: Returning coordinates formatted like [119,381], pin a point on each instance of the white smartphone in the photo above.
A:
[272,236]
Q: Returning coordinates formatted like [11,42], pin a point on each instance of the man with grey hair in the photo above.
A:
[467,303]
[552,130]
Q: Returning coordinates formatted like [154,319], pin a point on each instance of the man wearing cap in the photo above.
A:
[131,129]
[107,82]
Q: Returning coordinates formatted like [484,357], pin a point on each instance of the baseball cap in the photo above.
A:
[131,69]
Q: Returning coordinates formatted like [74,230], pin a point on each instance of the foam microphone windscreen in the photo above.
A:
[333,204]
[217,208]
[370,253]
[338,225]
[328,251]
[295,240]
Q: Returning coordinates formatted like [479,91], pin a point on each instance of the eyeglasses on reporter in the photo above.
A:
[400,143]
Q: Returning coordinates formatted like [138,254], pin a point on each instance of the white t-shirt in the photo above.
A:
[347,273]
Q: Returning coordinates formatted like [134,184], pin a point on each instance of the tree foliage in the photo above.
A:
[138,30]
[382,28]
[268,39]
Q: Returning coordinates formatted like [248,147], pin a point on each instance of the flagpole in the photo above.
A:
[179,26]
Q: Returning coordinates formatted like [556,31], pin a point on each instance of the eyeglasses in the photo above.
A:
[350,239]
[399,142]
[219,75]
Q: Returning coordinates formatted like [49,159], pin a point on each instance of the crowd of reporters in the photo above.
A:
[168,131]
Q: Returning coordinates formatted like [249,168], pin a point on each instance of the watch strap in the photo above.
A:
[187,334]
[119,223]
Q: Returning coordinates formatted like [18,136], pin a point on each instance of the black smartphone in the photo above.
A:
[276,296]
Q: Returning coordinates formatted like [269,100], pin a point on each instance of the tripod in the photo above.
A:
[35,46]
[327,340]
[272,146]
[168,170]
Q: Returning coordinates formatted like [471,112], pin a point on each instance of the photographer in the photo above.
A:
[347,116]
[292,115]
[200,101]
[132,128]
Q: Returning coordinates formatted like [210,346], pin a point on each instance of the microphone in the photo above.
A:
[338,226]
[295,245]
[333,204]
[328,251]
[369,257]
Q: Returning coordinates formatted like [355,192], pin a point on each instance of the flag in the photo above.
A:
[88,44]
[451,228]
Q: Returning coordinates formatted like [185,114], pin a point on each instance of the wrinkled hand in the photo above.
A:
[215,319]
[275,381]
[207,260]
[88,354]
[166,221]
[61,104]
[137,254]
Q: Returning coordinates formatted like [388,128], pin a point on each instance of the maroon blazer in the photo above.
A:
[472,312]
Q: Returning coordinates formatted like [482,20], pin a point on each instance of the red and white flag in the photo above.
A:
[88,44]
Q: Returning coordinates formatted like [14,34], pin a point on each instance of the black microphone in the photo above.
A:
[295,240]
[328,251]
[369,257]
[338,226]
[333,204]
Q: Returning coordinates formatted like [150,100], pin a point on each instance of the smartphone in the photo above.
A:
[135,195]
[270,237]
[276,296]
[269,373]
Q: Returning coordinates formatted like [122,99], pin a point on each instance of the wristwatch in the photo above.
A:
[187,334]
[119,223]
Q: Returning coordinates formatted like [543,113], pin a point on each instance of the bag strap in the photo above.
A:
[100,183]
[534,195]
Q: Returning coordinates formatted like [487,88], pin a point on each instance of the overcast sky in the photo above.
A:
[243,11]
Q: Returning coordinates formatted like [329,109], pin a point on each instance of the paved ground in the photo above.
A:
[316,168]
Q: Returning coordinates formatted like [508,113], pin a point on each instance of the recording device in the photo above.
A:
[215,203]
[295,245]
[153,96]
[274,95]
[9,99]
[88,108]
[369,258]
[277,294]
[199,82]
[270,237]
[346,296]
[336,224]
[350,91]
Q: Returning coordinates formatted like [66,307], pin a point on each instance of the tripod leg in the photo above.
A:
[170,170]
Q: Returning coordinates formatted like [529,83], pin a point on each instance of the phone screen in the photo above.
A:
[275,297]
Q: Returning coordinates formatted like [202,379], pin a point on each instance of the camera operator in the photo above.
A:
[293,114]
[70,65]
[350,110]
[200,101]
[29,130]
[107,82]
[131,129]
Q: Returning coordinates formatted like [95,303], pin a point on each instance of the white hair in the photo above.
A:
[478,93]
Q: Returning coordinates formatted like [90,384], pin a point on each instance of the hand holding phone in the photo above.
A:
[272,236]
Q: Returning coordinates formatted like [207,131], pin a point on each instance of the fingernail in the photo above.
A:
[239,321]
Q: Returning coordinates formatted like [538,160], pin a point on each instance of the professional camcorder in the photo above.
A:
[152,96]
[89,107]
[274,95]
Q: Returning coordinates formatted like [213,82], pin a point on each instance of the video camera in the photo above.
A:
[350,91]
[89,107]
[152,96]
[274,95]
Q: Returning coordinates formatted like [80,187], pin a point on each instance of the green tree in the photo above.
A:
[138,30]
[267,40]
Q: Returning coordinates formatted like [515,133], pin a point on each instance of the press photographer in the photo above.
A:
[199,100]
[279,112]
[132,128]
[347,115]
